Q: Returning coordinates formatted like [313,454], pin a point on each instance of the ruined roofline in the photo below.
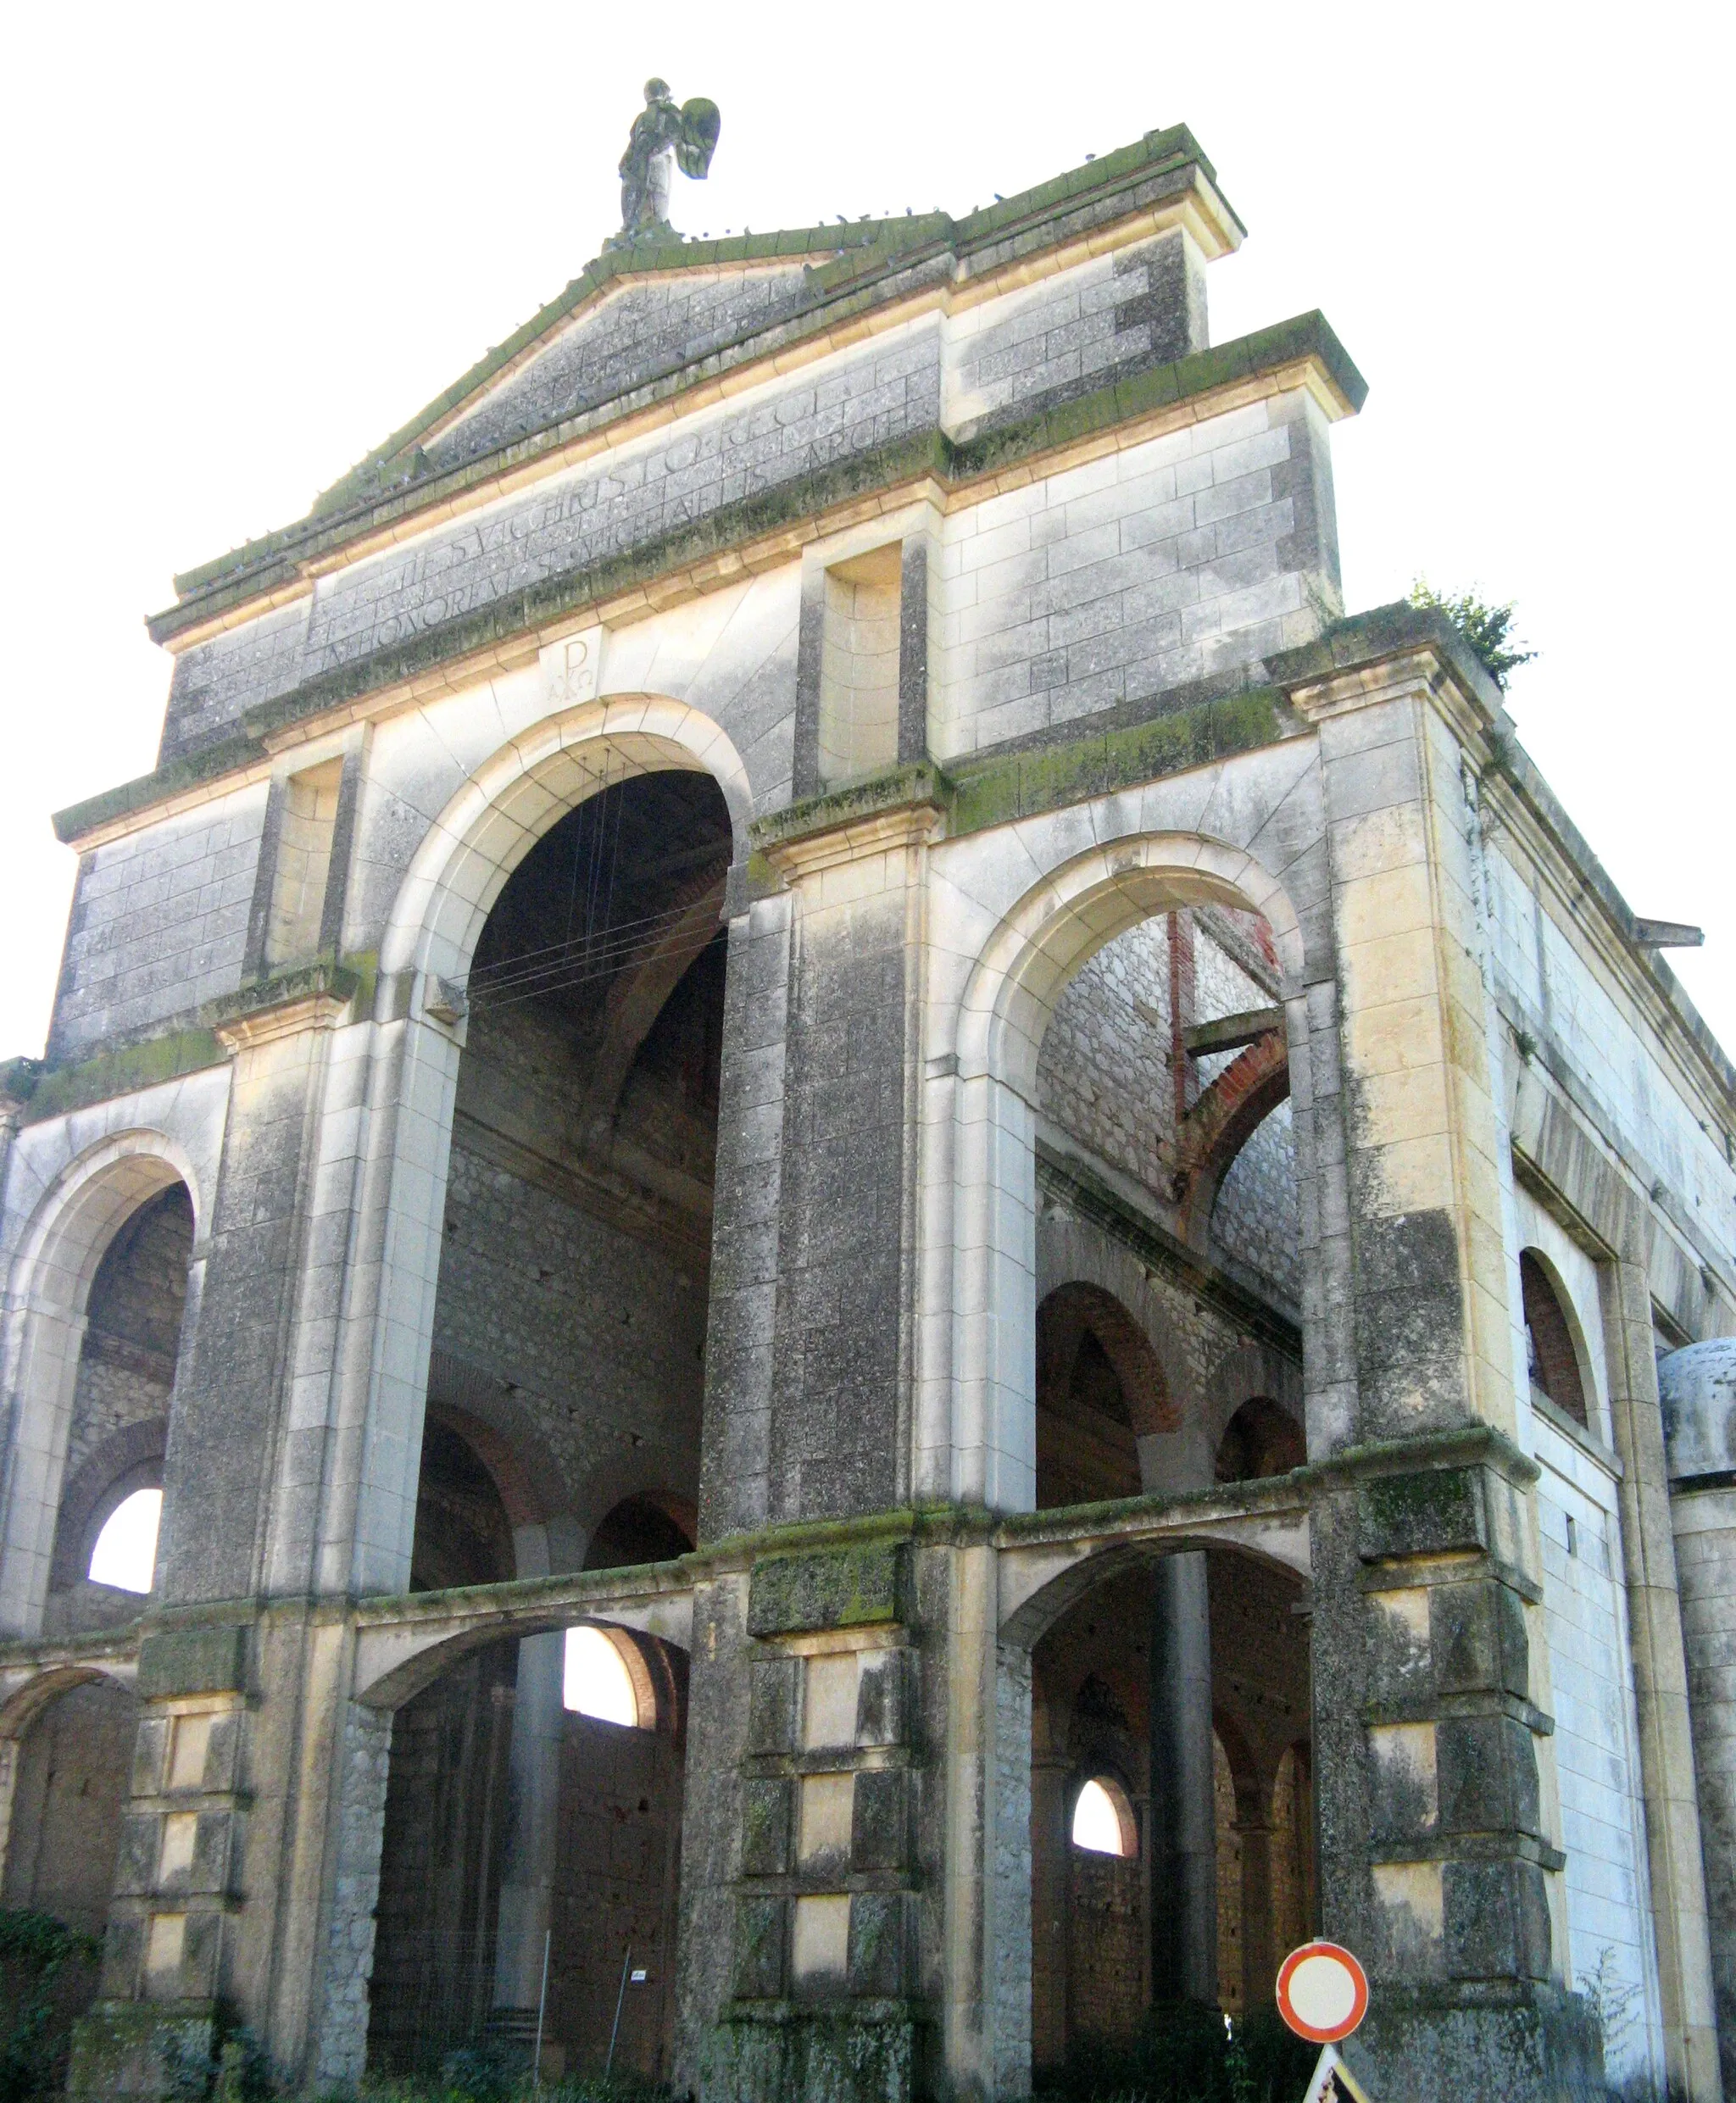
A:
[855,263]
[1367,639]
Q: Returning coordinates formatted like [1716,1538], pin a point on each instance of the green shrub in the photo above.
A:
[36,1952]
[1486,627]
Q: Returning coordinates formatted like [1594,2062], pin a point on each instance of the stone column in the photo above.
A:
[1049,1883]
[1183,1834]
[528,1864]
[1259,1955]
[1435,1867]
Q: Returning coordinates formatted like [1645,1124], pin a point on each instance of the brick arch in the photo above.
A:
[1222,1122]
[1550,1317]
[1078,1306]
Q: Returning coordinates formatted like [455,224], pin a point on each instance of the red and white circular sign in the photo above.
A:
[1322,1992]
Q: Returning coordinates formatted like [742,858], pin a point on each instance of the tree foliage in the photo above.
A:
[1488,628]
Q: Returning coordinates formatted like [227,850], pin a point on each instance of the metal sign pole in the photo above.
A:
[614,2030]
[1332,2080]
[541,2003]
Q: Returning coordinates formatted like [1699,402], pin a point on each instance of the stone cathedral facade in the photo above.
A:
[790,994]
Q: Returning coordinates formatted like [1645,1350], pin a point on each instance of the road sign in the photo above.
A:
[1322,1992]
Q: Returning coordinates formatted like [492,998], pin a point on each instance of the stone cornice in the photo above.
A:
[318,997]
[756,533]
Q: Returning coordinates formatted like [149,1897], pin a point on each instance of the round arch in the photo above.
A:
[1068,914]
[504,807]
[1008,1001]
[1563,1369]
[507,804]
[63,1243]
[24,1705]
[1080,1305]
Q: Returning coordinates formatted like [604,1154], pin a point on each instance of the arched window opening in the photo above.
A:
[462,1534]
[1103,1819]
[597,1681]
[125,1552]
[1551,1359]
[106,1527]
[1099,1388]
[1259,1439]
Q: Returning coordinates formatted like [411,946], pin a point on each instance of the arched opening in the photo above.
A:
[1552,1358]
[533,1810]
[597,1680]
[74,1761]
[1100,1388]
[1103,1819]
[75,1756]
[569,1314]
[1261,1439]
[519,1837]
[111,1498]
[124,1556]
[1159,1772]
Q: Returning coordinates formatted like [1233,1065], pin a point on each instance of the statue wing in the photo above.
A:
[701,122]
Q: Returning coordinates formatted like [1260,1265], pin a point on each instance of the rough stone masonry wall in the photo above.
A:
[1105,1077]
[127,1369]
[1257,1219]
[588,1336]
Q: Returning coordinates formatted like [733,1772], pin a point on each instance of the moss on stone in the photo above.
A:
[846,1589]
[899,789]
[195,1661]
[1435,1511]
[122,1071]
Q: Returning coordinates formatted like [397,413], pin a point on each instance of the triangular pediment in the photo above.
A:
[625,338]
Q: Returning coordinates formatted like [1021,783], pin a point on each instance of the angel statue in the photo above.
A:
[663,138]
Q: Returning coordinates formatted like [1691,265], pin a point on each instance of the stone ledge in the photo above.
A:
[1303,340]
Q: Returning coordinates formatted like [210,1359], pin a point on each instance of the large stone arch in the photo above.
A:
[981,1179]
[78,1817]
[506,804]
[510,801]
[59,1253]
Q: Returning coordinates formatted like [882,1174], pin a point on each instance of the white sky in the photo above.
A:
[241,245]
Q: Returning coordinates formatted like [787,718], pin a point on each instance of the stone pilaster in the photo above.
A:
[1435,1863]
